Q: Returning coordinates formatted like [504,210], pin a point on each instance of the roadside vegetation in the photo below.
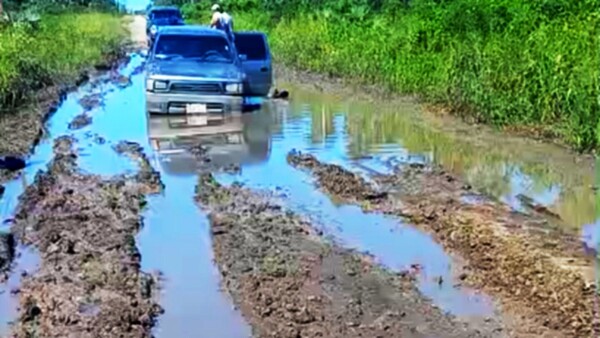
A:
[45,43]
[529,66]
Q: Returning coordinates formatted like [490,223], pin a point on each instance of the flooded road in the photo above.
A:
[361,135]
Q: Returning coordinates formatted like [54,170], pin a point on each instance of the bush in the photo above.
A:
[505,62]
[55,52]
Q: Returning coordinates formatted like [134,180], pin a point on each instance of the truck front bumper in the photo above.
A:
[170,103]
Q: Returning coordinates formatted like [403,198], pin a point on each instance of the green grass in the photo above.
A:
[55,52]
[533,65]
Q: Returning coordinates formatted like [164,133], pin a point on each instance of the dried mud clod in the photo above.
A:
[289,283]
[147,175]
[89,282]
[504,257]
[80,121]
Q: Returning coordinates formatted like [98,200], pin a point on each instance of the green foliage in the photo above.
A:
[506,62]
[17,7]
[32,58]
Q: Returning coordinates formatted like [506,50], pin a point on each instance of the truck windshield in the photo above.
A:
[202,48]
[166,14]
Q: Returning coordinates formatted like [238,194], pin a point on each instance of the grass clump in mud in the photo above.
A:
[89,282]
[504,256]
[289,283]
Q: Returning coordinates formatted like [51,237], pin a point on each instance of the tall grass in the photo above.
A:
[505,62]
[56,51]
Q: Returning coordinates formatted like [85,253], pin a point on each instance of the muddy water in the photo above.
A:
[276,130]
[506,168]
[175,237]
[372,138]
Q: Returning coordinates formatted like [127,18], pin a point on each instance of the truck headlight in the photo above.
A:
[156,84]
[160,85]
[233,88]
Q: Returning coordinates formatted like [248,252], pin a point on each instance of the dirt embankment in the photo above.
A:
[89,282]
[536,276]
[289,283]
[22,130]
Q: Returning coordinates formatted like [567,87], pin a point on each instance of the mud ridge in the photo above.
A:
[147,175]
[505,257]
[80,121]
[89,283]
[7,253]
[288,282]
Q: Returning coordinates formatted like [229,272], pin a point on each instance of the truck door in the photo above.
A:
[255,55]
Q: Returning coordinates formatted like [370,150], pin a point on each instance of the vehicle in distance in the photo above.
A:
[160,16]
[194,70]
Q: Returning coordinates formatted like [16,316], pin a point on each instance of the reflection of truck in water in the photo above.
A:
[239,140]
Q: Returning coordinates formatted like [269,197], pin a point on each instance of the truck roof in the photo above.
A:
[191,30]
[163,8]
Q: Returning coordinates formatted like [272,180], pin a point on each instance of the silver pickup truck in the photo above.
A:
[196,71]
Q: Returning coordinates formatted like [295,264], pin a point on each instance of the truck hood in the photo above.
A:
[193,68]
[167,22]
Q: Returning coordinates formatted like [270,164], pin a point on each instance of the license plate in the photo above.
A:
[195,108]
[197,120]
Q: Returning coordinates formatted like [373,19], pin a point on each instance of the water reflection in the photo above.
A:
[501,167]
[238,140]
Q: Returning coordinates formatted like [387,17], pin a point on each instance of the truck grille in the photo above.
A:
[213,88]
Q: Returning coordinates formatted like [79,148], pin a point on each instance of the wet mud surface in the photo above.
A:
[7,252]
[540,279]
[89,282]
[146,174]
[80,121]
[288,282]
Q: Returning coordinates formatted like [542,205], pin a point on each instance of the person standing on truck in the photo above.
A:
[221,20]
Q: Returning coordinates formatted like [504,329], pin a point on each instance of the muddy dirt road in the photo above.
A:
[134,228]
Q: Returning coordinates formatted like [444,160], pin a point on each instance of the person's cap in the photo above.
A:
[215,7]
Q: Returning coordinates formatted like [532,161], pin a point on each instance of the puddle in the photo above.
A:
[392,243]
[373,138]
[27,261]
[176,241]
[377,136]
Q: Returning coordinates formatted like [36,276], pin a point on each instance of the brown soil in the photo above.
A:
[89,282]
[508,255]
[290,283]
